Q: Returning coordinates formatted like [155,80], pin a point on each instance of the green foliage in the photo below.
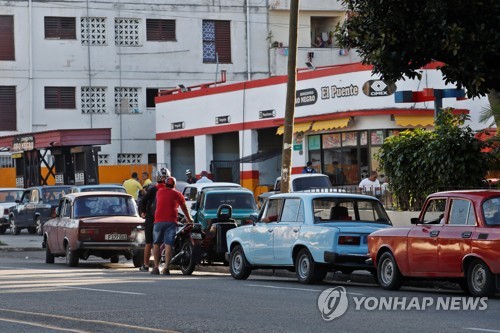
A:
[421,162]
[398,37]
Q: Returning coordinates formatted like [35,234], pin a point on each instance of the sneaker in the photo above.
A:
[144,268]
[166,272]
[155,271]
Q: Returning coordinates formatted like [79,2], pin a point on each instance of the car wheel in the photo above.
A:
[13,228]
[138,258]
[2,230]
[49,256]
[188,262]
[238,265]
[71,257]
[32,230]
[388,275]
[39,226]
[306,269]
[479,279]
[114,259]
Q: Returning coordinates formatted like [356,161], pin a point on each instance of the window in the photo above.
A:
[93,31]
[8,114]
[126,100]
[60,98]
[160,30]
[129,158]
[491,211]
[216,41]
[151,94]
[103,159]
[93,100]
[60,27]
[461,213]
[272,211]
[7,37]
[434,212]
[293,211]
[126,32]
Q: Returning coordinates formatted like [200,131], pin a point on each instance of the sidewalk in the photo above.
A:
[21,242]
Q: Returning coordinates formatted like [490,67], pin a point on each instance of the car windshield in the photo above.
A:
[52,195]
[349,209]
[307,183]
[104,206]
[491,211]
[10,195]
[236,200]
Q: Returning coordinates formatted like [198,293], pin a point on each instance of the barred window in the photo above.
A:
[127,100]
[160,30]
[127,32]
[8,108]
[103,159]
[93,30]
[216,41]
[60,98]
[129,158]
[93,100]
[7,37]
[60,27]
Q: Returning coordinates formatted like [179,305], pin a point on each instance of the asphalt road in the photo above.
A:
[98,296]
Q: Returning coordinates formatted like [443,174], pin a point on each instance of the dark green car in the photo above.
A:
[241,200]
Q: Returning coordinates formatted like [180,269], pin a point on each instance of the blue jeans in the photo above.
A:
[164,232]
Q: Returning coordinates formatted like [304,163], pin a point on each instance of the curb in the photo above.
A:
[20,249]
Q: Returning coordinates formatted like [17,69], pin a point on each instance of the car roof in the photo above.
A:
[96,193]
[229,190]
[313,195]
[49,186]
[305,175]
[477,194]
[213,184]
[11,189]
[99,186]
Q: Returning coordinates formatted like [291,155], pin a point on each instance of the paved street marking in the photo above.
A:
[101,290]
[289,288]
[24,322]
[482,330]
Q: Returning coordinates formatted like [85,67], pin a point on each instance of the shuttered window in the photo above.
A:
[60,27]
[7,37]
[160,30]
[8,115]
[60,98]
[216,41]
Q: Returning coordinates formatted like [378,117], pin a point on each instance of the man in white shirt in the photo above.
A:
[204,178]
[371,185]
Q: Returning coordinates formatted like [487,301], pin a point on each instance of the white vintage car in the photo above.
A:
[8,197]
[311,233]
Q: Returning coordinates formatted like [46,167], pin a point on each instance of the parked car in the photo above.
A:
[192,191]
[8,197]
[311,233]
[456,236]
[241,200]
[35,207]
[102,224]
[299,182]
[98,187]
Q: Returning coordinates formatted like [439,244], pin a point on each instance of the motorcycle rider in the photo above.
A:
[145,209]
[168,200]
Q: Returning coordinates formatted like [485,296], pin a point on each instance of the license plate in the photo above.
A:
[196,236]
[115,236]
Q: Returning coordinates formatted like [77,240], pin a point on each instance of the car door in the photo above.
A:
[31,207]
[20,215]
[63,222]
[423,238]
[455,238]
[260,243]
[287,229]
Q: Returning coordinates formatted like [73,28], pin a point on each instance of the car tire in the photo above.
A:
[188,261]
[13,228]
[71,257]
[238,265]
[138,258]
[2,230]
[480,280]
[49,256]
[306,269]
[32,230]
[114,259]
[39,226]
[388,275]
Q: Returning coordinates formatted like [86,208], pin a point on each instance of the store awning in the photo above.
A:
[330,124]
[405,120]
[300,127]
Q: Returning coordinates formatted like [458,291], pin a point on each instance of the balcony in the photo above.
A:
[278,57]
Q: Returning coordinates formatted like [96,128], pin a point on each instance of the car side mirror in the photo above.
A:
[414,220]
[17,201]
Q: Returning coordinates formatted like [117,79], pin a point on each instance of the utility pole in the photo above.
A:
[286,162]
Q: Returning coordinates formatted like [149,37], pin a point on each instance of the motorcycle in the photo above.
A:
[194,246]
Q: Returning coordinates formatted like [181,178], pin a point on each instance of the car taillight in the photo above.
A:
[87,234]
[6,211]
[349,240]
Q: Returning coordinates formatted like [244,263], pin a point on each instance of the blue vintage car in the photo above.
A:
[311,233]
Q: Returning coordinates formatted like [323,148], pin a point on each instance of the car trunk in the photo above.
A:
[109,229]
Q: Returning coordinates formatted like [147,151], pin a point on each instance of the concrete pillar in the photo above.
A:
[249,145]
[163,154]
[204,153]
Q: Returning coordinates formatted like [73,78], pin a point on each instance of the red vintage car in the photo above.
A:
[456,236]
[102,224]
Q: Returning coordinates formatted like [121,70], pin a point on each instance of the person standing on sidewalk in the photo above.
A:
[168,200]
[147,213]
[133,187]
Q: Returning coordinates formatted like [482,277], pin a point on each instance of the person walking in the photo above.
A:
[168,200]
[190,178]
[204,178]
[308,168]
[147,213]
[133,187]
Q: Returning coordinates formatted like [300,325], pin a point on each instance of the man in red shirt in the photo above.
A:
[168,200]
